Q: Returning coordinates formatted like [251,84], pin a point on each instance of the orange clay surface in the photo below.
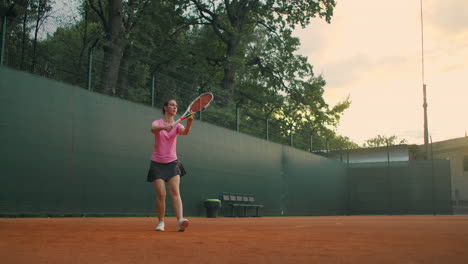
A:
[347,239]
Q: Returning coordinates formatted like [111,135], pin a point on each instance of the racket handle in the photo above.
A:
[180,119]
[177,122]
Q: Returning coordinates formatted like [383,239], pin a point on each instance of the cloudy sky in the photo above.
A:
[371,51]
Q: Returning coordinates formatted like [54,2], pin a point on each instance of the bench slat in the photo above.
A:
[240,201]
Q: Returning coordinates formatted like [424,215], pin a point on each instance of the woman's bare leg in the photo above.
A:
[160,189]
[174,191]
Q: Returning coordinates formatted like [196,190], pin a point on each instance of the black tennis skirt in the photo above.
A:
[165,171]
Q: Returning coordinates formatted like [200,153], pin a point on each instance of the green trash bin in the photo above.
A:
[212,207]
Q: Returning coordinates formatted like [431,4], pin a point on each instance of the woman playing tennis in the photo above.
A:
[165,167]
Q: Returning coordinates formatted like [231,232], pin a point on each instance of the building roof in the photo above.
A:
[449,145]
[398,152]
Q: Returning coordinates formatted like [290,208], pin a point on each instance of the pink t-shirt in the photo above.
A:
[165,143]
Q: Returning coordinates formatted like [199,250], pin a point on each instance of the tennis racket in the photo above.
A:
[198,105]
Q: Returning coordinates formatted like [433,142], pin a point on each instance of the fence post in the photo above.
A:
[389,183]
[267,129]
[311,141]
[90,68]
[433,182]
[348,185]
[291,137]
[388,154]
[237,116]
[152,90]
[2,56]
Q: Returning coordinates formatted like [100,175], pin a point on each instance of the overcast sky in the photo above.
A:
[371,51]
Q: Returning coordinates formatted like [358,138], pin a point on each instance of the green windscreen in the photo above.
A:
[67,151]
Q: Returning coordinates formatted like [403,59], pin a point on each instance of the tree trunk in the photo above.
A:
[36,32]
[113,48]
[7,39]
[84,39]
[23,40]
[13,11]
[237,12]
[232,65]
[123,86]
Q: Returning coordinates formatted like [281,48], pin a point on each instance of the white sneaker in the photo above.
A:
[160,226]
[183,223]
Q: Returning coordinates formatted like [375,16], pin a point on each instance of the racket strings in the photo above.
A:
[201,102]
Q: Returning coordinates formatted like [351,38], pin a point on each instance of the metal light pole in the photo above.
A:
[426,130]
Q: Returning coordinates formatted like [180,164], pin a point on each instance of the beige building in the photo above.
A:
[456,151]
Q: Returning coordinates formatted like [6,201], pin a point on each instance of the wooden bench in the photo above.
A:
[237,204]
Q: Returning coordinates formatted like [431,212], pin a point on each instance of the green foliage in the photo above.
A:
[342,142]
[382,140]
[185,47]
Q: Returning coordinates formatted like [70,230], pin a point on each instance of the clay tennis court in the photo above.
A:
[350,239]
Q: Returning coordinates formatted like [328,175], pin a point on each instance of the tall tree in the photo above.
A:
[24,34]
[277,75]
[233,20]
[163,44]
[118,20]
[13,11]
[41,10]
